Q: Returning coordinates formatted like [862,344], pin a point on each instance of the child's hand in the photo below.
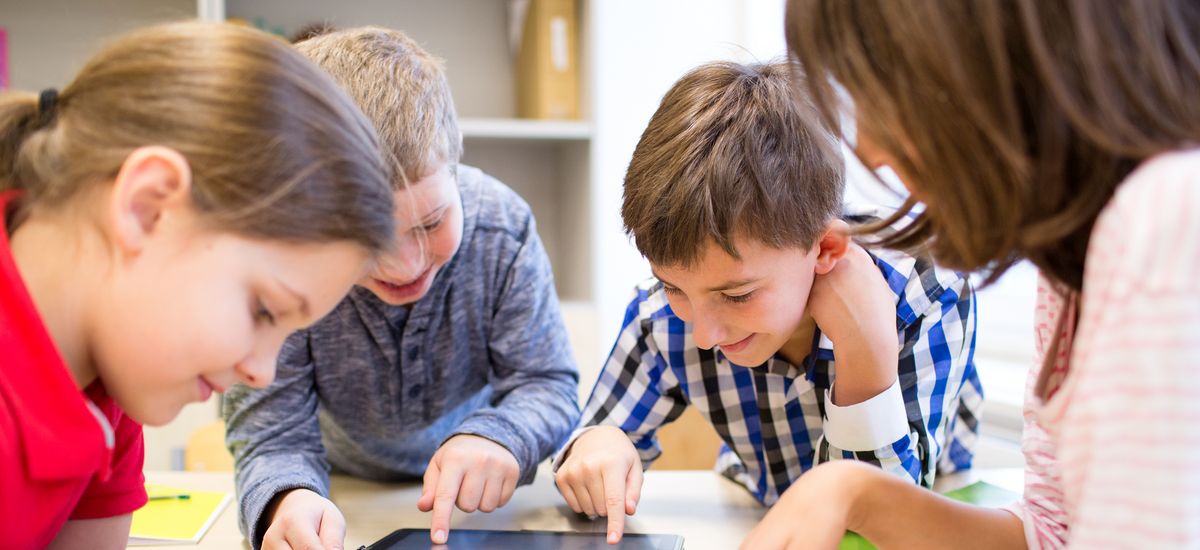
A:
[602,476]
[854,307]
[813,512]
[471,471]
[304,519]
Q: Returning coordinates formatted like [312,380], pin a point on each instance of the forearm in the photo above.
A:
[545,401]
[637,392]
[866,366]
[99,533]
[854,307]
[531,421]
[641,407]
[894,514]
[265,477]
[535,378]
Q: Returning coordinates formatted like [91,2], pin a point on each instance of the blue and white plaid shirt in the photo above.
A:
[771,417]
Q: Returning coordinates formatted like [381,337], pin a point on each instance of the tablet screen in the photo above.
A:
[418,539]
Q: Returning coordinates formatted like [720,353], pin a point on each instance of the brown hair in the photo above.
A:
[311,30]
[729,152]
[276,149]
[1016,120]
[401,88]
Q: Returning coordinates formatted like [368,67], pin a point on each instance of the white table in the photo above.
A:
[708,510]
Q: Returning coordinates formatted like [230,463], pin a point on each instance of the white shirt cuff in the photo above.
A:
[875,423]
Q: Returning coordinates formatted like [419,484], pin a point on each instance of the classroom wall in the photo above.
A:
[75,28]
[638,49]
[480,55]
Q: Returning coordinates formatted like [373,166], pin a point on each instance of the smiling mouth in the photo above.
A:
[215,387]
[406,287]
[737,346]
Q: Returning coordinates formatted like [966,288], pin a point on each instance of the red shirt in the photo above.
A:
[64,454]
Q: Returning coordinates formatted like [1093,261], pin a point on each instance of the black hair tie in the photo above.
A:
[47,105]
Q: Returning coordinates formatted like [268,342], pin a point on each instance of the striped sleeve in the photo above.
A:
[1130,439]
[1122,428]
[1041,509]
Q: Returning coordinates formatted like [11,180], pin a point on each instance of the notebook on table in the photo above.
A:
[176,516]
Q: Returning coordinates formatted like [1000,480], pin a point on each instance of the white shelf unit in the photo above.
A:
[525,129]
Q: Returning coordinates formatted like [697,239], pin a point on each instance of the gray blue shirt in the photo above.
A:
[372,390]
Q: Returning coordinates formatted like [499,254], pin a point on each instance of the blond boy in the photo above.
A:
[448,363]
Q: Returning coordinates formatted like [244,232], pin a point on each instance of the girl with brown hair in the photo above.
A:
[197,193]
[1064,132]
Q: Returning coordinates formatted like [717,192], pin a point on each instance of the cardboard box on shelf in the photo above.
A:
[547,59]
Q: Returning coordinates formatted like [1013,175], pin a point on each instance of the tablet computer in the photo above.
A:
[418,539]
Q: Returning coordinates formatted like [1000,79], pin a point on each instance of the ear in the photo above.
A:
[832,245]
[152,181]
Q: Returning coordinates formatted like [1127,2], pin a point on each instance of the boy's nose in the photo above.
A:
[404,261]
[258,371]
[707,331]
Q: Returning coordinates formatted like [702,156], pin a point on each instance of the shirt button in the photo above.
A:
[414,391]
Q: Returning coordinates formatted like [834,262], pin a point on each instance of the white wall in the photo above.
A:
[48,40]
[479,70]
[639,49]
[634,50]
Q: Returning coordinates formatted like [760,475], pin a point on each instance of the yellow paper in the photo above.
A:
[176,521]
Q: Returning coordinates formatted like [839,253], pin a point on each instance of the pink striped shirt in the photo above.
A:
[1113,454]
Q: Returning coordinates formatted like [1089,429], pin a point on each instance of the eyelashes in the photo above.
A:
[739,299]
[729,298]
[262,314]
[432,226]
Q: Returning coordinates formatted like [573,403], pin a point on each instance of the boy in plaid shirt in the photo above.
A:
[796,343]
